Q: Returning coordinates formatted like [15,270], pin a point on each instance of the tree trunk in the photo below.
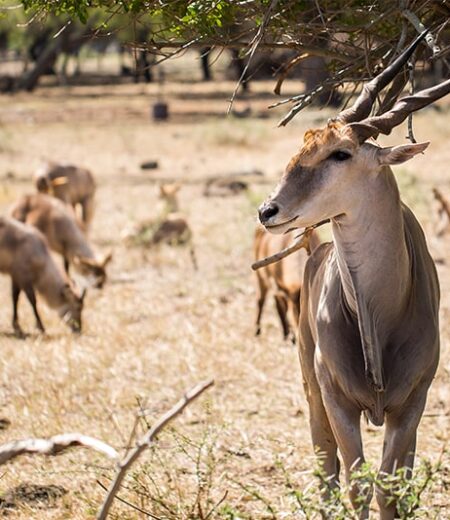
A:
[67,41]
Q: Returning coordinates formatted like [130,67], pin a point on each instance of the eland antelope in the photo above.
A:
[369,332]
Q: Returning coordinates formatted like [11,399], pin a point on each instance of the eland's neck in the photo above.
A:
[372,254]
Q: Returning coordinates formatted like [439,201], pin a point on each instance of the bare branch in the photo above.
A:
[411,67]
[255,43]
[298,244]
[53,446]
[237,44]
[129,504]
[145,442]
[420,28]
[286,69]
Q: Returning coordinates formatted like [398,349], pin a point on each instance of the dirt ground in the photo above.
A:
[158,327]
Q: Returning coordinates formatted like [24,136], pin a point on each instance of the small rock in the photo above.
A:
[149,165]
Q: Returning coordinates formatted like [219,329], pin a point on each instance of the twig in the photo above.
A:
[420,28]
[238,44]
[53,446]
[145,442]
[307,98]
[411,64]
[286,69]
[254,45]
[298,244]
[216,505]
[133,506]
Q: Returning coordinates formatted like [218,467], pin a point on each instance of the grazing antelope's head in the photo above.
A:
[71,308]
[326,177]
[93,270]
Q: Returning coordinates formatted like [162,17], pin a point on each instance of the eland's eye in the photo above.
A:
[339,155]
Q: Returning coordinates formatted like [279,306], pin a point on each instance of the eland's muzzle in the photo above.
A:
[266,211]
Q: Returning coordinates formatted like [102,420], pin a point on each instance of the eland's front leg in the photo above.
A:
[344,419]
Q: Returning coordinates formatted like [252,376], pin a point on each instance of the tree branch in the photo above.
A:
[267,46]
[298,244]
[255,43]
[420,28]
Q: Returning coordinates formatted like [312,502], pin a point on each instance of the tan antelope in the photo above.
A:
[285,277]
[63,234]
[170,227]
[24,255]
[369,332]
[71,184]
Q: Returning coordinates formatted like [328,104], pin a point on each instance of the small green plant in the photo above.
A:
[181,481]
[323,498]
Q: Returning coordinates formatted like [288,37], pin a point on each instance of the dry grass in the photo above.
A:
[158,326]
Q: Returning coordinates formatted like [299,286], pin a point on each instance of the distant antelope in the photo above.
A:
[24,255]
[170,227]
[64,236]
[284,277]
[168,194]
[71,184]
[369,329]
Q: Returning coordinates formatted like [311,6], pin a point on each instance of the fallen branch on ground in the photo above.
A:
[146,441]
[298,244]
[53,446]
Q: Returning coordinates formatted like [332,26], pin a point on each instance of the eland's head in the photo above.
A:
[334,165]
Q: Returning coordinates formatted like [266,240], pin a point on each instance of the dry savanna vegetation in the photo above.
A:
[242,450]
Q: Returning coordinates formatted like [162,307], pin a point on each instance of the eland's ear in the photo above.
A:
[400,154]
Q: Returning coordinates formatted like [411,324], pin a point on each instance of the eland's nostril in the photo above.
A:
[267,211]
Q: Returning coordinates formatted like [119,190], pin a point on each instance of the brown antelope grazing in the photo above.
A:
[284,277]
[71,184]
[369,332]
[24,255]
[64,236]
